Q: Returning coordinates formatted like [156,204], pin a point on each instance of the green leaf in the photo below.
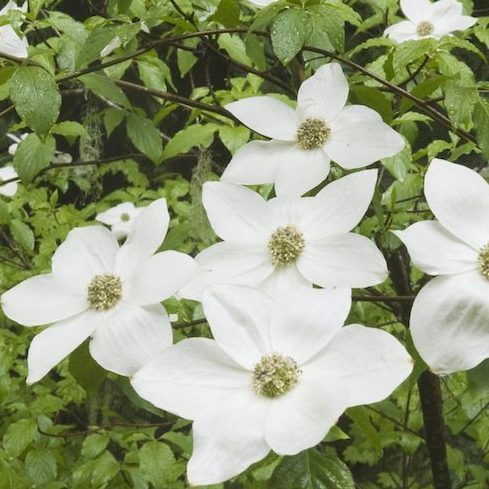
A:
[410,51]
[36,98]
[373,98]
[112,119]
[69,129]
[85,370]
[41,466]
[325,21]
[154,72]
[19,435]
[481,123]
[227,13]
[33,155]
[145,136]
[104,87]
[96,41]
[460,100]
[361,418]
[94,445]
[105,468]
[191,136]
[289,32]
[158,463]
[312,469]
[22,234]
[233,137]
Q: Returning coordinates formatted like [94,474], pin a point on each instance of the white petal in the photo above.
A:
[305,320]
[436,251]
[130,336]
[459,199]
[114,44]
[449,322]
[300,171]
[267,116]
[339,206]
[284,279]
[445,10]
[256,162]
[355,143]
[148,232]
[402,31]
[8,189]
[86,252]
[343,260]
[239,318]
[237,263]
[53,344]
[159,277]
[324,94]
[228,438]
[455,24]
[301,418]
[416,10]
[236,213]
[44,299]
[12,44]
[190,377]
[378,366]
[122,229]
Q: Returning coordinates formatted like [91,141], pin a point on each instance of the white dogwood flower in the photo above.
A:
[8,189]
[10,42]
[449,319]
[304,140]
[284,243]
[426,19]
[120,218]
[110,293]
[277,375]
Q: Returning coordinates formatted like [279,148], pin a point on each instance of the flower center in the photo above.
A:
[104,292]
[425,28]
[312,134]
[285,245]
[125,217]
[275,375]
[484,261]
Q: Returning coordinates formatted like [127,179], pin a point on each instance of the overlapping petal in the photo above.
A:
[416,10]
[128,336]
[343,260]
[228,438]
[159,277]
[459,199]
[190,377]
[305,320]
[449,322]
[324,94]
[436,251]
[267,116]
[239,318]
[378,365]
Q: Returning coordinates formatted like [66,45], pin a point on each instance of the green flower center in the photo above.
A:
[312,134]
[125,217]
[285,245]
[104,292]
[275,375]
[425,28]
[484,261]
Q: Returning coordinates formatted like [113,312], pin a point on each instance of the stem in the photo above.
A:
[428,384]
[434,425]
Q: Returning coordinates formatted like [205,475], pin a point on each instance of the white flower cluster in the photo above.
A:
[281,367]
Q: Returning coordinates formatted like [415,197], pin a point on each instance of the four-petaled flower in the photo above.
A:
[288,242]
[120,218]
[426,19]
[110,293]
[277,375]
[10,42]
[449,319]
[304,140]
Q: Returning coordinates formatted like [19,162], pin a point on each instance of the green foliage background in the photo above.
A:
[147,121]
